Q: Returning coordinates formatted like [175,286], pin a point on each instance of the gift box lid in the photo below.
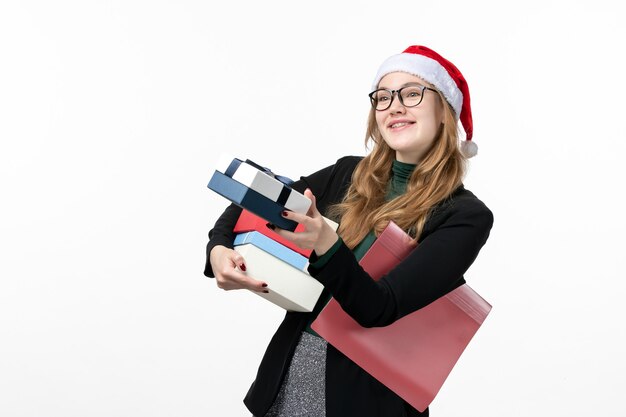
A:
[272,247]
[262,181]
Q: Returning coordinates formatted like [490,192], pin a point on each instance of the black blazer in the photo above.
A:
[453,235]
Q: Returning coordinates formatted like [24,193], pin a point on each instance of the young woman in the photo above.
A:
[413,176]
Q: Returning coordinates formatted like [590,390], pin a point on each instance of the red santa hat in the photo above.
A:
[444,76]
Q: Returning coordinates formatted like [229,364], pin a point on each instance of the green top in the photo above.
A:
[400,174]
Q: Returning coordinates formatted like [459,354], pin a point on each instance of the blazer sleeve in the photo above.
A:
[221,234]
[432,269]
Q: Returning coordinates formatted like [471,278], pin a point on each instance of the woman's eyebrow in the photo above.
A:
[412,83]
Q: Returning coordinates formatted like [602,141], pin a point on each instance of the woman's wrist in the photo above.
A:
[215,252]
[318,262]
[325,243]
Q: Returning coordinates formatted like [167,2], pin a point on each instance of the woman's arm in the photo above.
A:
[224,263]
[434,268]
[221,235]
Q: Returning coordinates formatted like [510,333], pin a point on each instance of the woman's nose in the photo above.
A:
[396,105]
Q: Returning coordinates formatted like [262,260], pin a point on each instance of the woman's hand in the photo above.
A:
[317,234]
[229,269]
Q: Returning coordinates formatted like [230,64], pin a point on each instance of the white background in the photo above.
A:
[113,112]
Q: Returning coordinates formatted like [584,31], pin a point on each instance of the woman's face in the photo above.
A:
[410,131]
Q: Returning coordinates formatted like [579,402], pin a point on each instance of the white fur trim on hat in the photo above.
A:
[427,69]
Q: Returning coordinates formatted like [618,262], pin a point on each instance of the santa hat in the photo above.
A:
[444,76]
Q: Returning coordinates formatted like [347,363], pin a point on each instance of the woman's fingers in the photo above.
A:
[313,212]
[305,219]
[238,261]
[229,268]
[313,223]
[235,280]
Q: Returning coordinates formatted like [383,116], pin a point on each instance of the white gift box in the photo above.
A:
[263,183]
[289,288]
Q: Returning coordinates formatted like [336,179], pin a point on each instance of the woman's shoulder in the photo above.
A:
[348,162]
[341,170]
[329,183]
[461,206]
[343,164]
[464,198]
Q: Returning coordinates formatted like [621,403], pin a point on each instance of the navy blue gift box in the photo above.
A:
[250,200]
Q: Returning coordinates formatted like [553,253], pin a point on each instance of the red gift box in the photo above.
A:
[249,222]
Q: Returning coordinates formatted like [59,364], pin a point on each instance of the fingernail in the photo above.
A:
[284,213]
[264,285]
[243,267]
[266,291]
[270,226]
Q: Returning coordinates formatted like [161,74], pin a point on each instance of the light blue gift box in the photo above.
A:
[274,248]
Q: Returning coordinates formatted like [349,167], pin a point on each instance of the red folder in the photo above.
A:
[414,355]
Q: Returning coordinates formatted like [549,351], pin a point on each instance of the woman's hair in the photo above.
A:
[439,173]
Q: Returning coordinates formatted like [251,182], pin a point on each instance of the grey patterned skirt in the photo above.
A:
[302,393]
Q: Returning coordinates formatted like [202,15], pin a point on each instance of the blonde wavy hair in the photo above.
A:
[435,178]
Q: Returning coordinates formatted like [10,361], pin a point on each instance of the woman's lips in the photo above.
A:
[397,125]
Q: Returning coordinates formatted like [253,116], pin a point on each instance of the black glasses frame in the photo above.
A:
[397,92]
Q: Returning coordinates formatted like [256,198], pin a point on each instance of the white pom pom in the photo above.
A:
[469,148]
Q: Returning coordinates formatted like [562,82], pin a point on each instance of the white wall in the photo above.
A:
[113,112]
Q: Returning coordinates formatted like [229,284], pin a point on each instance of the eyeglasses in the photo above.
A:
[409,96]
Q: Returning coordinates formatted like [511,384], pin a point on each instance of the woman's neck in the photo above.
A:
[400,175]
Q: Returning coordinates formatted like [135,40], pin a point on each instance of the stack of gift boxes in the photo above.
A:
[268,256]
